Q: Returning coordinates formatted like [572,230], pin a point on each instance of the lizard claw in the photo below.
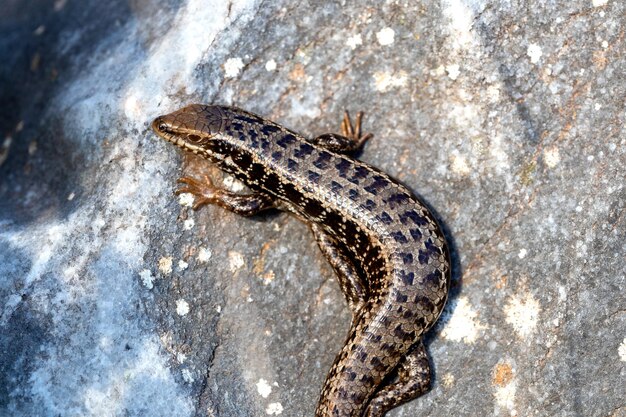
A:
[354,132]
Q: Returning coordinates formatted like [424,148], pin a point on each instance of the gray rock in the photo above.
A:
[116,299]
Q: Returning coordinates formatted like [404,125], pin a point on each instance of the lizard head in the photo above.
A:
[191,128]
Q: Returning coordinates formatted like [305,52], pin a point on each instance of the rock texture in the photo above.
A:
[116,299]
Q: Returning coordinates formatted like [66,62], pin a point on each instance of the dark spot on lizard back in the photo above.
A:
[415,234]
[342,166]
[304,150]
[314,177]
[385,218]
[377,185]
[359,173]
[424,303]
[407,258]
[433,280]
[292,165]
[322,160]
[399,237]
[430,251]
[401,298]
[286,140]
[407,278]
[269,129]
[413,216]
[335,186]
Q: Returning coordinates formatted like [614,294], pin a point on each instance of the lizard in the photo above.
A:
[385,246]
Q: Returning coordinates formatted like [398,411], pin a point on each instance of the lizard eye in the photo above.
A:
[162,127]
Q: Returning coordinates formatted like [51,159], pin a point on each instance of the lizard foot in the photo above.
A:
[204,191]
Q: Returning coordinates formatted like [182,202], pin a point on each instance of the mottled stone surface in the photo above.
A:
[117,299]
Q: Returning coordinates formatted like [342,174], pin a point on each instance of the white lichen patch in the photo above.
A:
[453,71]
[182,265]
[270,65]
[599,3]
[235,260]
[204,254]
[622,350]
[147,278]
[165,265]
[522,312]
[353,41]
[386,36]
[274,409]
[182,307]
[460,322]
[459,165]
[505,396]
[493,92]
[447,380]
[551,157]
[232,67]
[186,199]
[534,52]
[268,277]
[385,81]
[522,253]
[263,388]
[189,224]
[461,20]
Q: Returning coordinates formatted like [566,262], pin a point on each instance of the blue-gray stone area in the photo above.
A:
[116,298]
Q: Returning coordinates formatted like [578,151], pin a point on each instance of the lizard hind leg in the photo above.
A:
[412,379]
[351,283]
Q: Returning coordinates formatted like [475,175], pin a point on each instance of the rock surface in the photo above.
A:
[116,299]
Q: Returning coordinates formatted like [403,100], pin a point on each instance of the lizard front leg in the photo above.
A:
[206,193]
[350,140]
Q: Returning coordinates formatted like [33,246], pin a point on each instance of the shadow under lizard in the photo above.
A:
[387,250]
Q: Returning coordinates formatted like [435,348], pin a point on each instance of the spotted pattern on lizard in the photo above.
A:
[388,251]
